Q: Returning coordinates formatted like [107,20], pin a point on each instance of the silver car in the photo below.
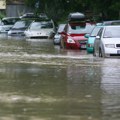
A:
[56,39]
[107,42]
[40,29]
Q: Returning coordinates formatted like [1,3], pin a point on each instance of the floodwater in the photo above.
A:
[40,81]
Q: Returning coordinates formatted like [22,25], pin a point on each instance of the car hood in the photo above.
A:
[111,40]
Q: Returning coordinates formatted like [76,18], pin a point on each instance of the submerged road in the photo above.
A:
[40,81]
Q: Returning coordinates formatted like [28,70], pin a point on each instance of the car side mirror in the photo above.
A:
[97,37]
[87,35]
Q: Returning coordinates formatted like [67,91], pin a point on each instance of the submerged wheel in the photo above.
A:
[100,53]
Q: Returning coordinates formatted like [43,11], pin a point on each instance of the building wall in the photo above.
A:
[16,10]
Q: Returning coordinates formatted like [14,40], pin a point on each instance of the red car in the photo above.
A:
[73,35]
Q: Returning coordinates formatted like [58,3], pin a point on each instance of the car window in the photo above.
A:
[100,32]
[47,24]
[115,23]
[41,25]
[95,31]
[21,24]
[79,29]
[35,26]
[112,32]
[10,21]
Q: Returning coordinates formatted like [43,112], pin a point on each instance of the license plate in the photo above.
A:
[118,51]
[83,46]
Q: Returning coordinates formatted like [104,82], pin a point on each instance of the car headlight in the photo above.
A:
[110,45]
[70,40]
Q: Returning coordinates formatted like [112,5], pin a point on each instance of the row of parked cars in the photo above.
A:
[104,40]
[31,27]
[101,39]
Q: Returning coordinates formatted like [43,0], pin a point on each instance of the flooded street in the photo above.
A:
[40,81]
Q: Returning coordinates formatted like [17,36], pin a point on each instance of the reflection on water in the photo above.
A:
[110,85]
[40,81]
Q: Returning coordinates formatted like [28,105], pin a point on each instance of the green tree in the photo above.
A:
[59,9]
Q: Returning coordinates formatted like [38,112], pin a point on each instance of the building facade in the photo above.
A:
[13,8]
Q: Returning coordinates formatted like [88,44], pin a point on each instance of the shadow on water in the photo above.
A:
[40,81]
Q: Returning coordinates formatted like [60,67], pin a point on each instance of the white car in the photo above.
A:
[56,39]
[107,42]
[40,29]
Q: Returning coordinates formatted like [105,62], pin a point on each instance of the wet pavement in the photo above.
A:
[40,81]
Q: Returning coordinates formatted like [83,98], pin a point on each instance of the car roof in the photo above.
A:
[112,22]
[113,26]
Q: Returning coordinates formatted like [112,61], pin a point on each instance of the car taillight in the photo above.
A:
[90,45]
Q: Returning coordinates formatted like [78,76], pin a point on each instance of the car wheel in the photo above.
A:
[100,53]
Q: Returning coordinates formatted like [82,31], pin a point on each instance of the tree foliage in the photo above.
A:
[59,9]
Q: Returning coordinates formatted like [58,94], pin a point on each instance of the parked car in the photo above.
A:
[73,37]
[91,38]
[107,42]
[19,28]
[40,29]
[112,22]
[56,39]
[29,15]
[7,23]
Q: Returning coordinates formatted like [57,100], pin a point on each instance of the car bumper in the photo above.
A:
[112,52]
[36,35]
[90,49]
[75,46]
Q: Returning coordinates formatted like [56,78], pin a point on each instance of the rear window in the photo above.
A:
[81,28]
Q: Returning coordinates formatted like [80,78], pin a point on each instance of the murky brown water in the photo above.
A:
[38,81]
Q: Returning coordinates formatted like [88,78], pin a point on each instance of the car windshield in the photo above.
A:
[61,27]
[112,32]
[95,32]
[41,25]
[79,29]
[21,24]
